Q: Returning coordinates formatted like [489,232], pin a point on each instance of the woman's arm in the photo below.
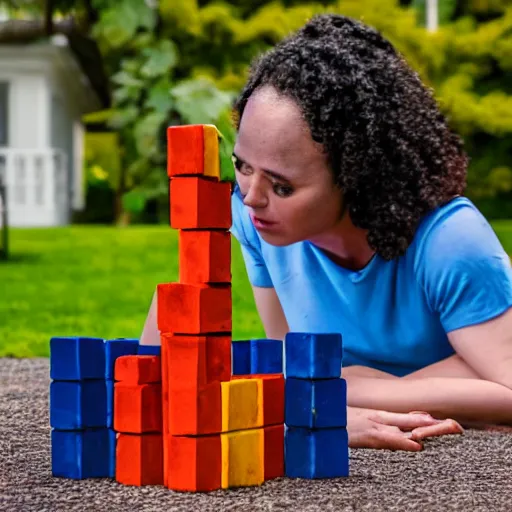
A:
[271,312]
[468,401]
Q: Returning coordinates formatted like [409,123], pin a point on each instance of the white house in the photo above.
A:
[44,92]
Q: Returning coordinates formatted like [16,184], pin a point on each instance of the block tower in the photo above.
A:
[214,427]
[81,405]
[316,439]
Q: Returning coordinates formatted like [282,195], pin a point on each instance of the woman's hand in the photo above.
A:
[369,428]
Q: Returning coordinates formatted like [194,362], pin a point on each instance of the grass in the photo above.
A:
[98,281]
[94,281]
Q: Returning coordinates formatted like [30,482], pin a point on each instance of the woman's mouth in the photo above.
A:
[262,224]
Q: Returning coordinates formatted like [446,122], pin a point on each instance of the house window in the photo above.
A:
[4,117]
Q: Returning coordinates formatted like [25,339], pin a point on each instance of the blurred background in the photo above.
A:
[87,90]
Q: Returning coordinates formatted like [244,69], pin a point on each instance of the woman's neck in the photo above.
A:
[345,244]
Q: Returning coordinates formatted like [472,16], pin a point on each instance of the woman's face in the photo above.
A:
[282,173]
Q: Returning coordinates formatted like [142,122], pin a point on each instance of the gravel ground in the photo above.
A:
[469,472]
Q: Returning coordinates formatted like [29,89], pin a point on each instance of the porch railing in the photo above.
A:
[37,186]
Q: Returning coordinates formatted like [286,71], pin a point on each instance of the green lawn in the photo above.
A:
[94,281]
[98,281]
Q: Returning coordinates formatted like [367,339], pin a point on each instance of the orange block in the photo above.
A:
[138,369]
[272,396]
[185,150]
[137,409]
[165,405]
[192,362]
[200,203]
[273,449]
[205,256]
[193,309]
[194,463]
[195,411]
[139,459]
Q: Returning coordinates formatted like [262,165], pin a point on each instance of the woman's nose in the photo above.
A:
[256,196]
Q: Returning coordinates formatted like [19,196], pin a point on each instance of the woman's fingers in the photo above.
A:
[405,421]
[442,428]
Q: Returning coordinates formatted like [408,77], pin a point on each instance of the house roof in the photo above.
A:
[83,48]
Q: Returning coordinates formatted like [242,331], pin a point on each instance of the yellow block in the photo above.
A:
[241,404]
[242,458]
[211,151]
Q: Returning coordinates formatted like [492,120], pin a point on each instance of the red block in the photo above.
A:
[193,309]
[139,459]
[273,396]
[195,463]
[205,257]
[165,405]
[138,369]
[200,203]
[192,362]
[185,150]
[273,449]
[195,411]
[137,409]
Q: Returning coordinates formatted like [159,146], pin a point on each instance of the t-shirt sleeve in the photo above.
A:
[465,272]
[244,231]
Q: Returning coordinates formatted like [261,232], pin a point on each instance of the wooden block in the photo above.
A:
[205,257]
[137,409]
[241,354]
[313,356]
[194,463]
[148,350]
[139,459]
[78,405]
[242,458]
[271,398]
[81,454]
[165,407]
[257,356]
[321,453]
[195,411]
[116,348]
[137,369]
[273,443]
[211,151]
[195,361]
[316,403]
[77,358]
[200,203]
[241,404]
[185,150]
[194,309]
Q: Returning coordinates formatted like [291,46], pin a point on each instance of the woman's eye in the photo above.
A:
[241,166]
[282,190]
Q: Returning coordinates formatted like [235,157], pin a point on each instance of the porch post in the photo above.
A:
[4,252]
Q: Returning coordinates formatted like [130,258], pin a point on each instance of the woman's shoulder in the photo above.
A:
[456,232]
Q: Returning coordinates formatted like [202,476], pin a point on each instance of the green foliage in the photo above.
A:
[184,61]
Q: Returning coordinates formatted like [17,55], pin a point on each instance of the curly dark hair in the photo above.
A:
[388,145]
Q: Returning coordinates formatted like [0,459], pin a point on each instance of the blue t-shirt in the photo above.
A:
[393,315]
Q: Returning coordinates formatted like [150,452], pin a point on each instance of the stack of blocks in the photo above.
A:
[201,412]
[215,427]
[82,403]
[316,443]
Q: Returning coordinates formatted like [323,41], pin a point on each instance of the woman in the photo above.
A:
[349,210]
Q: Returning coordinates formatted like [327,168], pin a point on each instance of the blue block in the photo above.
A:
[241,357]
[313,356]
[78,405]
[266,356]
[315,403]
[149,350]
[110,403]
[77,358]
[319,453]
[116,348]
[83,454]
